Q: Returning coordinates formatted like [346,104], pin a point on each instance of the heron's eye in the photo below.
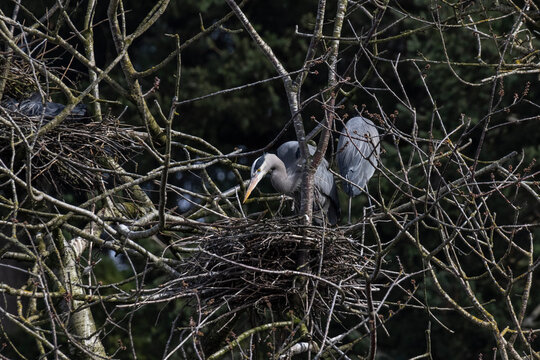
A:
[258,170]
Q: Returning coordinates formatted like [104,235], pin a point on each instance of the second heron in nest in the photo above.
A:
[357,155]
[35,105]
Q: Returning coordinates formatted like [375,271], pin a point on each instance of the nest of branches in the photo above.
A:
[269,262]
[71,154]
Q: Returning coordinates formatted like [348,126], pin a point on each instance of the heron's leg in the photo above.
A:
[350,203]
[281,204]
[371,206]
[295,205]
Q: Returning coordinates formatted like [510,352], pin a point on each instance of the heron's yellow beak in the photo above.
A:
[253,183]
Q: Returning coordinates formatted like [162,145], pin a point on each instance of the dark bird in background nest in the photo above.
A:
[36,106]
[285,169]
[357,156]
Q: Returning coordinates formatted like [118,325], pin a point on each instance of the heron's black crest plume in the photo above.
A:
[258,163]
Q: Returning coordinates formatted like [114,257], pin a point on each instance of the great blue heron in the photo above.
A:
[357,155]
[285,169]
[35,106]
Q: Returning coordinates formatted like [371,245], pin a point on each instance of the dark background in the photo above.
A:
[252,117]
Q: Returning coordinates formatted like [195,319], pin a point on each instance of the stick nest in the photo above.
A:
[256,263]
[72,154]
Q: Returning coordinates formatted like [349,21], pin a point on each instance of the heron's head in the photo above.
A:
[259,169]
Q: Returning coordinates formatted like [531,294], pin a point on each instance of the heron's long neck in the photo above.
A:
[281,180]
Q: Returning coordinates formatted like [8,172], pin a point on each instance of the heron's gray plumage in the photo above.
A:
[35,106]
[357,154]
[285,170]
